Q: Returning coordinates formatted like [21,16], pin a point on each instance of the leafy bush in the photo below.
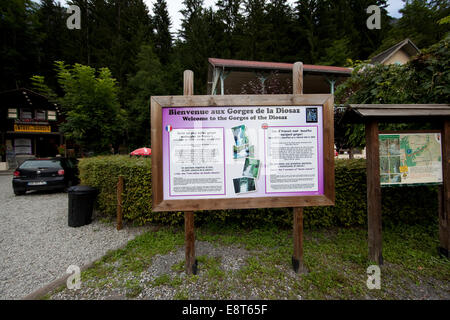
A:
[401,205]
[102,173]
[425,79]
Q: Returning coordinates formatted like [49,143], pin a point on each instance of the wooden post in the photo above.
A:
[188,83]
[373,193]
[297,78]
[444,196]
[119,202]
[189,239]
[297,258]
[189,235]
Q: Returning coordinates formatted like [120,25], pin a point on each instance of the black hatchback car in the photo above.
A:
[45,174]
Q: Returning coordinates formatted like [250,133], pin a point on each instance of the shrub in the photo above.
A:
[400,205]
[102,173]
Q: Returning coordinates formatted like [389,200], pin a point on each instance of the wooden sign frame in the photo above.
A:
[373,114]
[160,102]
[297,98]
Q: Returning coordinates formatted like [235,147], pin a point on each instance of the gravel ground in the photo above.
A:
[232,259]
[37,245]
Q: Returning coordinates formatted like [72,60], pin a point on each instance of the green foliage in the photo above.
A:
[54,38]
[162,38]
[116,34]
[90,105]
[103,172]
[376,84]
[425,79]
[261,268]
[412,205]
[39,85]
[111,34]
[445,20]
[431,74]
[19,42]
[400,205]
[420,23]
[337,54]
[320,23]
[152,79]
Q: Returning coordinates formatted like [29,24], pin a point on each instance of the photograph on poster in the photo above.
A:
[240,135]
[244,185]
[251,168]
[242,152]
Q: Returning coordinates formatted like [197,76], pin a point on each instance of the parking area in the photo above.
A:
[37,245]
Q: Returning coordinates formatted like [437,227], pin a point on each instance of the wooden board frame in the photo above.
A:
[160,102]
[374,213]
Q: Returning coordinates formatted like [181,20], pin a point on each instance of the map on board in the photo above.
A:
[410,158]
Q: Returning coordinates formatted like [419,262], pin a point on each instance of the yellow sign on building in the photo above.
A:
[31,128]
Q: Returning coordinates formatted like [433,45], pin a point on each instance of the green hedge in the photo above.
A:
[401,205]
[102,173]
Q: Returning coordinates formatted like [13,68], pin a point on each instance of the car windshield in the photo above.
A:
[35,164]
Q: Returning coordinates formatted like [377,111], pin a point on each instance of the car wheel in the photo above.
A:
[19,193]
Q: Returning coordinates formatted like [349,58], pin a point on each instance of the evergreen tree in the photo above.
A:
[256,31]
[419,22]
[133,28]
[54,37]
[195,43]
[148,81]
[192,13]
[280,31]
[338,54]
[324,26]
[19,42]
[163,37]
[307,40]
[364,41]
[229,27]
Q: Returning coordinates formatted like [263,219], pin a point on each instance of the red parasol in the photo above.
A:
[142,152]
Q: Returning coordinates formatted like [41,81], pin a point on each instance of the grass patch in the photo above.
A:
[247,238]
[110,271]
[178,267]
[336,259]
[133,288]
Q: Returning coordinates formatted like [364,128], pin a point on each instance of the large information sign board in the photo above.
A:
[410,158]
[234,155]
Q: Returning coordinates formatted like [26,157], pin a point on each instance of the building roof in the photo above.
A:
[245,64]
[406,45]
[25,98]
[395,112]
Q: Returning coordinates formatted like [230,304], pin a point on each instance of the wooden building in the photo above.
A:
[226,76]
[401,53]
[29,126]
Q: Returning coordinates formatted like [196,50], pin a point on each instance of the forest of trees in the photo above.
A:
[135,43]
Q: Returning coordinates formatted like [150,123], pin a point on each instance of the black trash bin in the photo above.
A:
[81,205]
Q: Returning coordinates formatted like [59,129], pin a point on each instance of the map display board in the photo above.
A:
[410,158]
[242,152]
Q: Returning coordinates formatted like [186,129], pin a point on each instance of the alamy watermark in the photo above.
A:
[373,277]
[74,20]
[74,280]
[374,21]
